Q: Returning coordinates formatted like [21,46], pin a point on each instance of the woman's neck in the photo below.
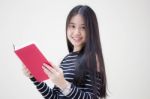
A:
[76,49]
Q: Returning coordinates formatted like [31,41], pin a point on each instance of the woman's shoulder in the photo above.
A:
[73,54]
[70,55]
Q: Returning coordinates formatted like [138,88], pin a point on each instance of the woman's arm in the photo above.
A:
[45,90]
[42,87]
[86,91]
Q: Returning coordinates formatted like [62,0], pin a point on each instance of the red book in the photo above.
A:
[33,59]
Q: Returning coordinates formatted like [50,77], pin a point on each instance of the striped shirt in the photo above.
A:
[83,91]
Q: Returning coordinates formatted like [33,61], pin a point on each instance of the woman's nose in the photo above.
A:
[77,31]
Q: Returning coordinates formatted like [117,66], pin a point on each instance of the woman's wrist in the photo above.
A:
[66,89]
[63,85]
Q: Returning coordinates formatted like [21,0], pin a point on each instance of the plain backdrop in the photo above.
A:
[124,32]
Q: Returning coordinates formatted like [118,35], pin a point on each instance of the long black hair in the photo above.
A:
[90,57]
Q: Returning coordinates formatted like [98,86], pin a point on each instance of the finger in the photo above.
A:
[24,65]
[27,72]
[47,72]
[26,69]
[55,67]
[49,68]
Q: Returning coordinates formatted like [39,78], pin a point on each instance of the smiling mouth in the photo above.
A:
[77,38]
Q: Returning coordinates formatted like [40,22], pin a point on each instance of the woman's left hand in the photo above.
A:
[56,75]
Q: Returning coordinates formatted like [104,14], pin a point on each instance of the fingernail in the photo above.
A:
[43,67]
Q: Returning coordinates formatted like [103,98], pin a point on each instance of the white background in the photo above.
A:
[125,36]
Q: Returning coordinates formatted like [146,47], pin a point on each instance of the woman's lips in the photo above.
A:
[77,38]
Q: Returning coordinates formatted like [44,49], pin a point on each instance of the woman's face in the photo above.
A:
[76,32]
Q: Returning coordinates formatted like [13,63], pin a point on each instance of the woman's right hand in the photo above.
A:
[26,71]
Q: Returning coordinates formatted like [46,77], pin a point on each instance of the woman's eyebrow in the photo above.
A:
[71,23]
[74,23]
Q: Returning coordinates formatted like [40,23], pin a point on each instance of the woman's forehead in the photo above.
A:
[77,19]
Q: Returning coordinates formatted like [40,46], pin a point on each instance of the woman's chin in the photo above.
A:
[77,44]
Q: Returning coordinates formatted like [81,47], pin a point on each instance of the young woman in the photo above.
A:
[81,74]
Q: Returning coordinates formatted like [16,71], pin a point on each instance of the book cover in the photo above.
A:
[33,59]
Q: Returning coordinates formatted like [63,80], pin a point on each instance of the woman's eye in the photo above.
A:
[73,26]
[83,27]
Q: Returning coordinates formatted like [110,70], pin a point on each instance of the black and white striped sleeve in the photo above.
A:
[45,90]
[84,93]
